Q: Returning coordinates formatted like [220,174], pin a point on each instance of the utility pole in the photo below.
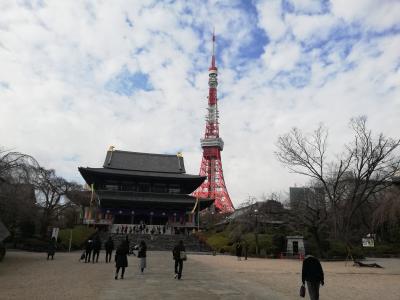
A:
[256,231]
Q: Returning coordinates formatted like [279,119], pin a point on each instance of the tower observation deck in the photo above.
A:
[212,144]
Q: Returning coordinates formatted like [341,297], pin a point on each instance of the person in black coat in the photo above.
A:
[51,249]
[88,250]
[239,249]
[313,274]
[142,255]
[121,259]
[109,245]
[96,248]
[127,243]
[177,254]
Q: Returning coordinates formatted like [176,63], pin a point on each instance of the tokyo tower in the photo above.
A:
[211,166]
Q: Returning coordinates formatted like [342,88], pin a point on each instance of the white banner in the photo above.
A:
[55,232]
[368,242]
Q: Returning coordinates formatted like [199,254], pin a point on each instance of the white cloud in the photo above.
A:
[282,56]
[270,18]
[375,15]
[308,26]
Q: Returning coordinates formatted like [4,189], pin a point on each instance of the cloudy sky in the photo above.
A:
[79,76]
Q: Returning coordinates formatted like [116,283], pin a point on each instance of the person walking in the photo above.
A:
[51,249]
[239,249]
[121,259]
[109,245]
[96,248]
[127,241]
[179,255]
[313,274]
[246,250]
[142,255]
[88,250]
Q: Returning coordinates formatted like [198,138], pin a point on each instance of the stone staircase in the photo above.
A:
[160,242]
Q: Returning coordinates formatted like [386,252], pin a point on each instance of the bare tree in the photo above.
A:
[386,214]
[50,194]
[362,170]
[16,166]
[17,199]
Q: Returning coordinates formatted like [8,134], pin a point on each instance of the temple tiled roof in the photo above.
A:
[144,162]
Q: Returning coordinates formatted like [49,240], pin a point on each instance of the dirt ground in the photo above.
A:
[25,275]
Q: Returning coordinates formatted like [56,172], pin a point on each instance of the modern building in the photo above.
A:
[135,188]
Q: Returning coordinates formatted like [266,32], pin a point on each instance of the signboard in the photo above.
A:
[368,242]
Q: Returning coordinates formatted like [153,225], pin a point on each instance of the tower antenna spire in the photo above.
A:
[213,49]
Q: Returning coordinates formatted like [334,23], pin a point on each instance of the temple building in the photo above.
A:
[141,188]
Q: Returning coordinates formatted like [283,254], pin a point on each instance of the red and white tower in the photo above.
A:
[211,166]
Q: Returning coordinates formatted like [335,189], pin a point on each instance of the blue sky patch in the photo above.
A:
[298,78]
[318,8]
[255,48]
[126,83]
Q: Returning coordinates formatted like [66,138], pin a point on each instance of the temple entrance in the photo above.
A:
[295,247]
[159,220]
[122,219]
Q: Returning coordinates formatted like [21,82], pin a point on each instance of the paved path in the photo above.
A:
[199,281]
[26,275]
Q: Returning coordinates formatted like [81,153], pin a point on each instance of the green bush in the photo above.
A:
[338,249]
[264,243]
[219,242]
[383,250]
[32,244]
[80,234]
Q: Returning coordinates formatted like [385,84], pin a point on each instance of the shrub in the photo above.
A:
[219,242]
[384,250]
[32,244]
[264,243]
[338,249]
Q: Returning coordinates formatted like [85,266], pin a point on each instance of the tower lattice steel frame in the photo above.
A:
[211,166]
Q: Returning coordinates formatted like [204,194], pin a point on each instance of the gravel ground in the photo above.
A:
[341,281]
[25,275]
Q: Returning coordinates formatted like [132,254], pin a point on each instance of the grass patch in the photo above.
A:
[80,234]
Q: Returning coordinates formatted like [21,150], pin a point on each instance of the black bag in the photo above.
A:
[302,291]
